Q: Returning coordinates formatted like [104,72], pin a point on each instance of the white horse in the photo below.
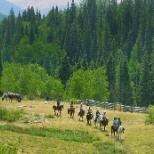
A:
[120,131]
[97,122]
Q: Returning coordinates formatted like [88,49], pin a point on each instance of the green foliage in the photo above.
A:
[88,84]
[8,150]
[108,148]
[150,115]
[73,100]
[82,37]
[10,115]
[67,134]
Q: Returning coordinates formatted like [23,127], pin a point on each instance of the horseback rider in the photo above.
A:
[71,105]
[104,116]
[81,108]
[97,115]
[58,103]
[89,111]
[115,121]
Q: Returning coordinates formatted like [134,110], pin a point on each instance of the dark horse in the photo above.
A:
[71,111]
[59,109]
[114,130]
[104,123]
[81,114]
[89,117]
[11,96]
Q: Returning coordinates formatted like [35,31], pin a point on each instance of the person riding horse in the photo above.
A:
[104,117]
[89,115]
[58,103]
[81,108]
[71,105]
[97,115]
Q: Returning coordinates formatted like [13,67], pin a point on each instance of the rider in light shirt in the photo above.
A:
[104,116]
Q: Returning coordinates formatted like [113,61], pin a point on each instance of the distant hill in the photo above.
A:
[2,16]
[6,6]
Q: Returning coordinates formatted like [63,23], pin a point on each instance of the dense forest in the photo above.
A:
[100,50]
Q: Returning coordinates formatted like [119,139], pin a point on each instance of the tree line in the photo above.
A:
[100,50]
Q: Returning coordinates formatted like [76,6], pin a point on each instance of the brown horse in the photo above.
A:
[71,111]
[81,114]
[104,123]
[59,109]
[89,117]
[114,130]
[11,96]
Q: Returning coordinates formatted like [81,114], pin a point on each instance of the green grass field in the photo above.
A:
[38,131]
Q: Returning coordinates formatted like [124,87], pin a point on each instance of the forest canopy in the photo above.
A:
[100,50]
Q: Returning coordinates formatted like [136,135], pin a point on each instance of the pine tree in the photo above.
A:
[111,74]
[65,70]
[125,91]
[145,90]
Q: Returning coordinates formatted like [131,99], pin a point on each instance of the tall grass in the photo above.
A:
[10,115]
[108,148]
[7,150]
[67,134]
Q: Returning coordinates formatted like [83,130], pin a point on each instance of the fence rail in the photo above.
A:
[114,106]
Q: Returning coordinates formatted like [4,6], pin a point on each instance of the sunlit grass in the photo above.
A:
[137,139]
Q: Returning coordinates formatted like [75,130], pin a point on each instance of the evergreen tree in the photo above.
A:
[125,91]
[111,74]
[145,90]
[65,70]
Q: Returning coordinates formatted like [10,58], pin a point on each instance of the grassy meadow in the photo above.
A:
[37,131]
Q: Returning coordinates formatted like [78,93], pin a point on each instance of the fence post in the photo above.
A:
[120,106]
[131,109]
[114,106]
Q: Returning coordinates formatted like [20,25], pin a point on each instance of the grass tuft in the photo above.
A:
[108,148]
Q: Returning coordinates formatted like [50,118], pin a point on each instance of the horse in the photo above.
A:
[71,111]
[59,109]
[97,121]
[114,130]
[104,123]
[14,95]
[11,96]
[81,114]
[120,131]
[89,117]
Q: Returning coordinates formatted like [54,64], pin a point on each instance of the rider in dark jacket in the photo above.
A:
[58,103]
[97,114]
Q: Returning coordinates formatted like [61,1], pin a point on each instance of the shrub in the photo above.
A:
[73,100]
[150,115]
[10,115]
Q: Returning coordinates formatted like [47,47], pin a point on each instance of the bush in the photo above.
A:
[150,115]
[73,100]
[10,115]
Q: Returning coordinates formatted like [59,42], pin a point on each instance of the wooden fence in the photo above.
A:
[114,106]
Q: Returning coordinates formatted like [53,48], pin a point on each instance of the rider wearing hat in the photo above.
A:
[104,116]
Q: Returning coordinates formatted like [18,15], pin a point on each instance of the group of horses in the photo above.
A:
[10,96]
[98,122]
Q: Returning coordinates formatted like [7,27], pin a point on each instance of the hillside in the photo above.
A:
[5,7]
[138,138]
